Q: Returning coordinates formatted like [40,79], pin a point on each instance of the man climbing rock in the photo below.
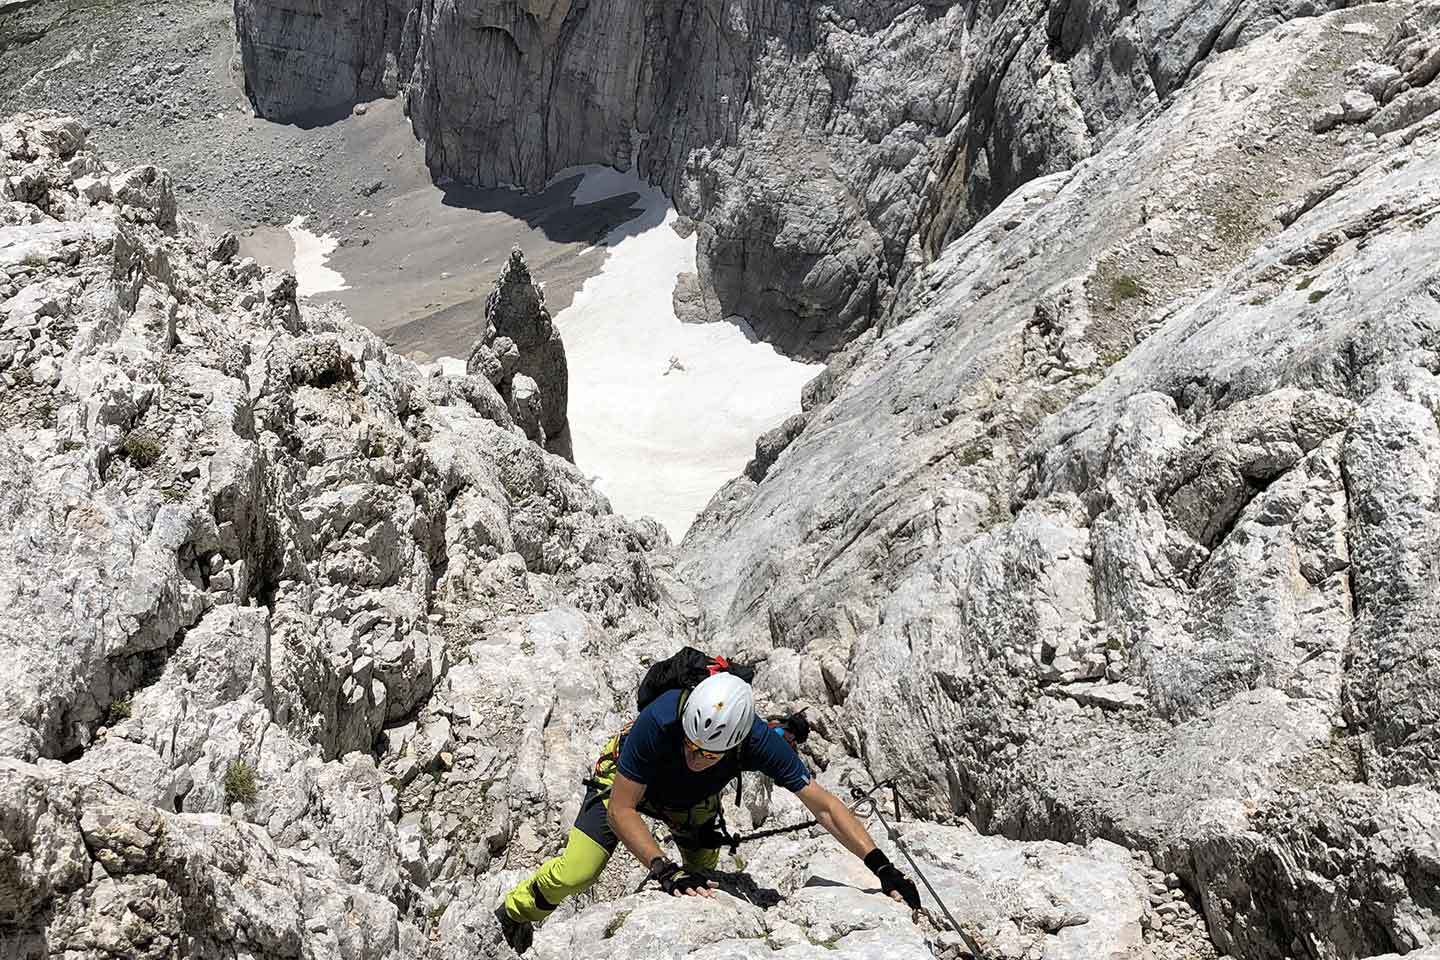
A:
[672,764]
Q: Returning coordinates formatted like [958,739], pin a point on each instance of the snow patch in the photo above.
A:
[662,413]
[444,367]
[311,252]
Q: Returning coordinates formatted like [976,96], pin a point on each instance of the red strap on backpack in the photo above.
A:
[718,664]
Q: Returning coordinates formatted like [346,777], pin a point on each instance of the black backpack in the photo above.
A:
[684,671]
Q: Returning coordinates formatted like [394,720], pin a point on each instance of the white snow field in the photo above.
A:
[311,252]
[662,413]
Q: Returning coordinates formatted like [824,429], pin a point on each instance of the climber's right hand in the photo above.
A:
[687,884]
[678,882]
[893,883]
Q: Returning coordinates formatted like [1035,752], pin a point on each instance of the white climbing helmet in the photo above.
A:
[719,712]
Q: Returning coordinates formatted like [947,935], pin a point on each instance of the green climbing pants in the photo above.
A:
[591,842]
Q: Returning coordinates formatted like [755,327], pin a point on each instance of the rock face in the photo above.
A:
[826,149]
[522,355]
[304,644]
[328,57]
[301,642]
[1123,528]
[1111,538]
[245,554]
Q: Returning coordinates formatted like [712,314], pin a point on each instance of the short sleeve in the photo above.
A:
[771,754]
[640,752]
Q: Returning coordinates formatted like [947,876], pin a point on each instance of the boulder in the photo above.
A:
[146,193]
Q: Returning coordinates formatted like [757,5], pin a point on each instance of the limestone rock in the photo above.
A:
[808,899]
[147,193]
[823,150]
[225,247]
[1108,533]
[521,353]
[692,302]
[1373,78]
[771,444]
[115,876]
[527,406]
[1153,582]
[1358,106]
[95,189]
[484,362]
[241,541]
[311,69]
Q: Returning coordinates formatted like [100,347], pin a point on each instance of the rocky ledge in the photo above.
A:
[1125,528]
[308,647]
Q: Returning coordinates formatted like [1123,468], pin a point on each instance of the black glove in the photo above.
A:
[684,882]
[891,879]
[662,869]
[672,878]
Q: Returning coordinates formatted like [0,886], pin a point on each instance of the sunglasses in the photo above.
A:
[707,754]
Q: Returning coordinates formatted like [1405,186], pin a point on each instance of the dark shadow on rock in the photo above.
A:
[562,445]
[312,119]
[744,327]
[743,886]
[553,211]
[822,882]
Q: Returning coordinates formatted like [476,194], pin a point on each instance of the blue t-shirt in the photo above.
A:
[654,754]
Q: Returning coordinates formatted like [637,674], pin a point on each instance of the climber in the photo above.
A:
[672,764]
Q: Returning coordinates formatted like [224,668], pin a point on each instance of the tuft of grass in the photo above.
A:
[1111,355]
[1125,287]
[1235,224]
[974,452]
[994,515]
[239,783]
[1317,295]
[616,922]
[141,449]
[1305,282]
[119,710]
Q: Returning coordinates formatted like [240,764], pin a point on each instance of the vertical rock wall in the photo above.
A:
[826,148]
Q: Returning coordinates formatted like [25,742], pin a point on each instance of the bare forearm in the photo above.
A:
[843,825]
[631,829]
